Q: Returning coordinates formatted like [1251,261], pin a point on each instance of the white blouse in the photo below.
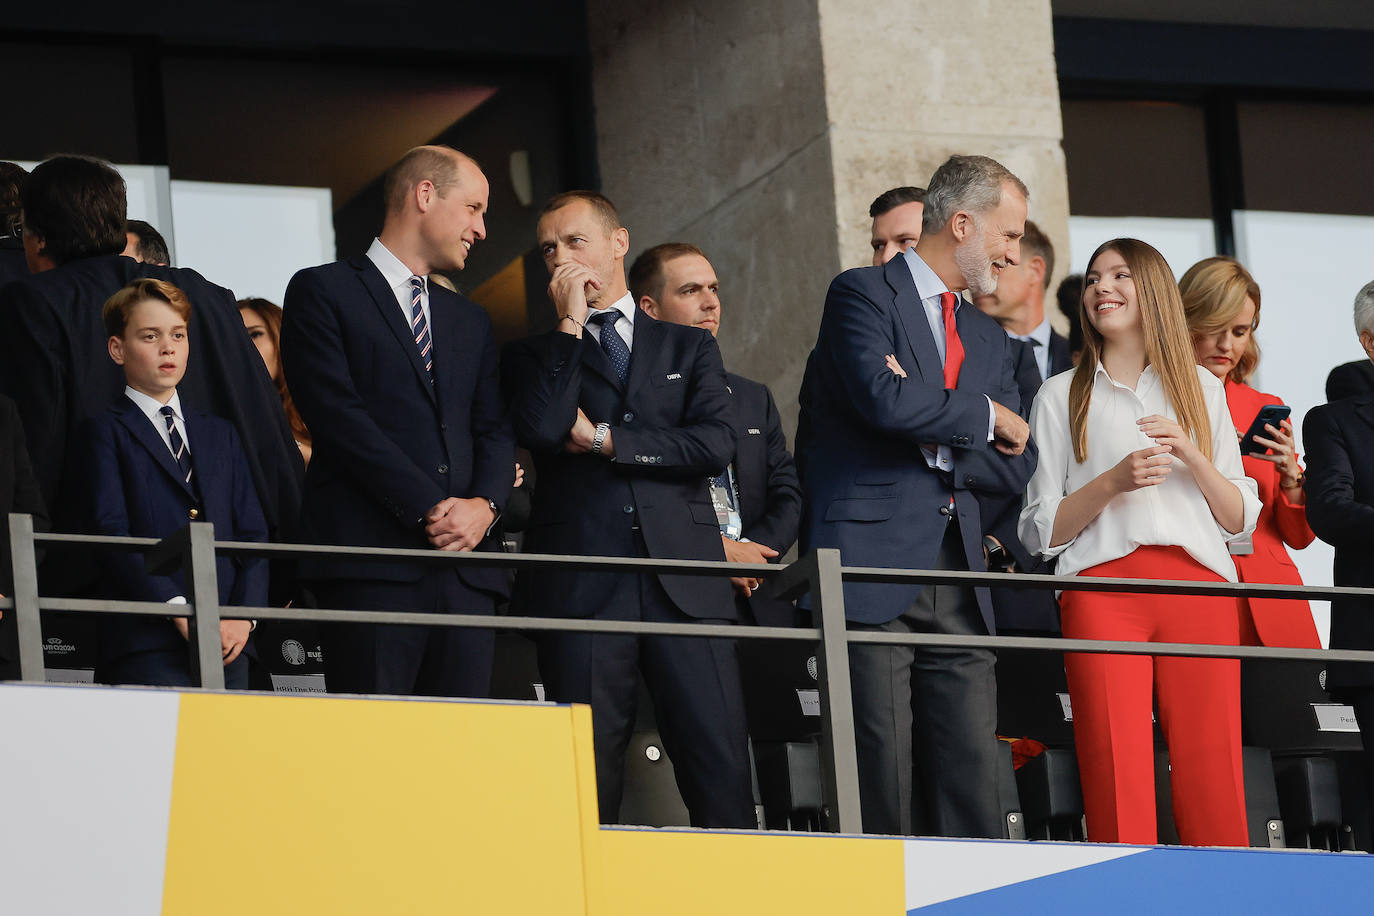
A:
[1172,513]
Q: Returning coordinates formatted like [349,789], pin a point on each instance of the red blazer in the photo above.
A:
[1279,622]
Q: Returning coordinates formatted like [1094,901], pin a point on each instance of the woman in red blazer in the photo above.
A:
[1222,303]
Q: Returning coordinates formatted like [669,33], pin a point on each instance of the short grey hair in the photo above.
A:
[1364,308]
[971,183]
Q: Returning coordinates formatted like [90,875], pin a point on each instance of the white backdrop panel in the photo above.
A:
[1183,242]
[251,238]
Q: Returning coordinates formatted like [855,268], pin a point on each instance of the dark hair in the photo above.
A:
[1070,294]
[1035,244]
[646,273]
[270,313]
[77,205]
[894,198]
[12,179]
[438,164]
[151,247]
[600,203]
[115,311]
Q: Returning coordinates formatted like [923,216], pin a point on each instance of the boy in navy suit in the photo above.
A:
[150,469]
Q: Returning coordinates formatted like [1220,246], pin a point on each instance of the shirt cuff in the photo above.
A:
[992,419]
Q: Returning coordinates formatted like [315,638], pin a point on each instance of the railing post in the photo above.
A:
[28,622]
[202,583]
[839,755]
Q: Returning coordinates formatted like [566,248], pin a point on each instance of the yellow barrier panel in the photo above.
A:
[327,805]
[678,872]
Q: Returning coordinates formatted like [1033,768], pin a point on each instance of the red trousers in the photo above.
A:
[1198,699]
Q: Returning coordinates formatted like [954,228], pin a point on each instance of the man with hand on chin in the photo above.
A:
[908,409]
[628,418]
[397,380]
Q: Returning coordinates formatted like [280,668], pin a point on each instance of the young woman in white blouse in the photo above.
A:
[1140,477]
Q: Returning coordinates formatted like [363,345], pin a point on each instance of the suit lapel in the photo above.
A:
[385,300]
[647,334]
[594,358]
[976,341]
[912,315]
[141,428]
[1364,409]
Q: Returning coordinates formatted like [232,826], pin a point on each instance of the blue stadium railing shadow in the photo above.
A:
[819,573]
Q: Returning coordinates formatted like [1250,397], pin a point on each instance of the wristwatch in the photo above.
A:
[495,516]
[600,438]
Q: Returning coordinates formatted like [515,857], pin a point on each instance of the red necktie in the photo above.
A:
[954,347]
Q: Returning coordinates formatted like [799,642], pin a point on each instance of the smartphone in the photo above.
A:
[1269,414]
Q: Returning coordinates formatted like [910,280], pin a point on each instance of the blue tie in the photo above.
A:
[420,327]
[612,343]
[179,450]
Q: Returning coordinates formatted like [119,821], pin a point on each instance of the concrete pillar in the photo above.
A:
[761,131]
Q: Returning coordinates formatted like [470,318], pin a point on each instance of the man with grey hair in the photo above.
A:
[1340,509]
[909,411]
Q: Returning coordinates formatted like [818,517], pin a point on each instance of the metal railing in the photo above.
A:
[819,573]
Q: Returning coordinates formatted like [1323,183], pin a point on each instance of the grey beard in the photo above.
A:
[973,263]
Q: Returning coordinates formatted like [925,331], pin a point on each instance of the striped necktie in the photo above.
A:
[419,327]
[179,449]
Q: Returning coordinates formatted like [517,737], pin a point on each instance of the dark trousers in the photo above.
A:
[407,660]
[932,711]
[698,703]
[1362,699]
[165,668]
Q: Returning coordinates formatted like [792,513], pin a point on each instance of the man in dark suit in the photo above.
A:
[18,493]
[396,379]
[628,418]
[1340,509]
[758,499]
[149,466]
[53,359]
[896,215]
[909,408]
[1018,305]
[13,264]
[1350,379]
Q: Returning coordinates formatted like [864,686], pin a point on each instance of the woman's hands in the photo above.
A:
[1167,432]
[1146,467]
[1284,454]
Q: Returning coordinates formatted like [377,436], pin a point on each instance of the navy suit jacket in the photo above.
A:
[18,493]
[54,364]
[769,489]
[1340,508]
[132,487]
[672,425]
[389,445]
[869,490]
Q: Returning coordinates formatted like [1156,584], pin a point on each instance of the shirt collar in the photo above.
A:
[1040,335]
[625,305]
[1148,373]
[152,407]
[928,283]
[394,272]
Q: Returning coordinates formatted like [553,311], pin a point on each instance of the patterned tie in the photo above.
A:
[954,347]
[612,343]
[420,327]
[179,450]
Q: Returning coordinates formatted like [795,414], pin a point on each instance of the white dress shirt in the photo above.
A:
[930,288]
[625,325]
[152,407]
[397,276]
[1172,513]
[1040,346]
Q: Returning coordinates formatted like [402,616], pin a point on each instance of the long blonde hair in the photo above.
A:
[1168,347]
[1214,291]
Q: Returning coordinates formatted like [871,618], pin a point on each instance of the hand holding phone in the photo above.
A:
[1269,415]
